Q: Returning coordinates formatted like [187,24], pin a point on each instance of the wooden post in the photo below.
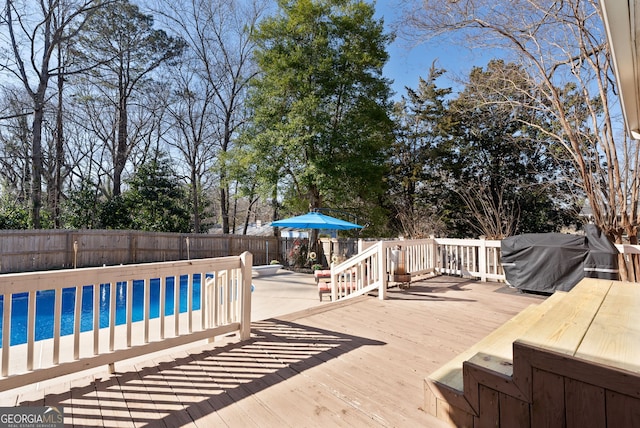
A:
[382,266]
[482,259]
[246,263]
[334,285]
[6,333]
[434,254]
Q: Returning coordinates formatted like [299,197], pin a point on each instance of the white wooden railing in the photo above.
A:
[369,270]
[478,258]
[222,306]
[358,275]
[416,257]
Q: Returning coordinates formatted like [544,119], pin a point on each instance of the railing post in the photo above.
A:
[246,263]
[382,266]
[434,254]
[482,259]
[6,333]
[334,284]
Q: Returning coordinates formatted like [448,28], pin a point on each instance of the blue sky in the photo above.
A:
[409,61]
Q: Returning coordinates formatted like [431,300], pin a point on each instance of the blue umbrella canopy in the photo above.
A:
[315,220]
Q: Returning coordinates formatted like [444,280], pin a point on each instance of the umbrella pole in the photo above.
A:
[314,244]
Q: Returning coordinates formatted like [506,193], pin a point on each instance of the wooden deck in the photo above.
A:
[357,363]
[571,361]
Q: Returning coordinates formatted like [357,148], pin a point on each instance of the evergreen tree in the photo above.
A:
[13,213]
[415,180]
[320,105]
[156,201]
[500,174]
[81,207]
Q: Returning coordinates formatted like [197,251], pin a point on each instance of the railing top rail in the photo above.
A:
[359,258]
[43,280]
[628,248]
[410,241]
[468,242]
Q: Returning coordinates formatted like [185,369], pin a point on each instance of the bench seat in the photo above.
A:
[322,275]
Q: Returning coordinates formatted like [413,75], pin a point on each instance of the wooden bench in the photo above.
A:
[322,275]
[323,281]
[585,342]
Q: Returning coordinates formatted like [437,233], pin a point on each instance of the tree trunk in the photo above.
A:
[120,158]
[275,206]
[57,187]
[195,201]
[224,188]
[315,201]
[36,164]
[224,209]
[632,272]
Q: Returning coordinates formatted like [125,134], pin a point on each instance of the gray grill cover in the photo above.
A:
[546,262]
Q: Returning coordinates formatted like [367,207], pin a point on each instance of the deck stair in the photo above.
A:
[572,360]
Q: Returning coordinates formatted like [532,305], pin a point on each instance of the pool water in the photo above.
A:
[45,307]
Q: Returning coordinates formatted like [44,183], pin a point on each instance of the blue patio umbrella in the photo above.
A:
[315,220]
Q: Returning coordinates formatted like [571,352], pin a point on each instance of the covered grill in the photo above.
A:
[546,262]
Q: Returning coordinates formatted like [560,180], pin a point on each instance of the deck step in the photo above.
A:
[447,383]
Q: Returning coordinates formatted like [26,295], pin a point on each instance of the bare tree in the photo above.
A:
[35,30]
[90,123]
[421,222]
[218,33]
[562,45]
[85,148]
[124,50]
[91,118]
[15,143]
[192,133]
[493,215]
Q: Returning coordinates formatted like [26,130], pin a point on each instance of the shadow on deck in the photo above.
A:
[355,363]
[200,384]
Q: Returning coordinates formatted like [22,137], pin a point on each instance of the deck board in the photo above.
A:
[358,363]
[614,338]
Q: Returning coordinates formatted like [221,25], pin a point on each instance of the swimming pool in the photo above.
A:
[45,307]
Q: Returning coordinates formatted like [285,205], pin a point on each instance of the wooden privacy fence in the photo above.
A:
[35,250]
